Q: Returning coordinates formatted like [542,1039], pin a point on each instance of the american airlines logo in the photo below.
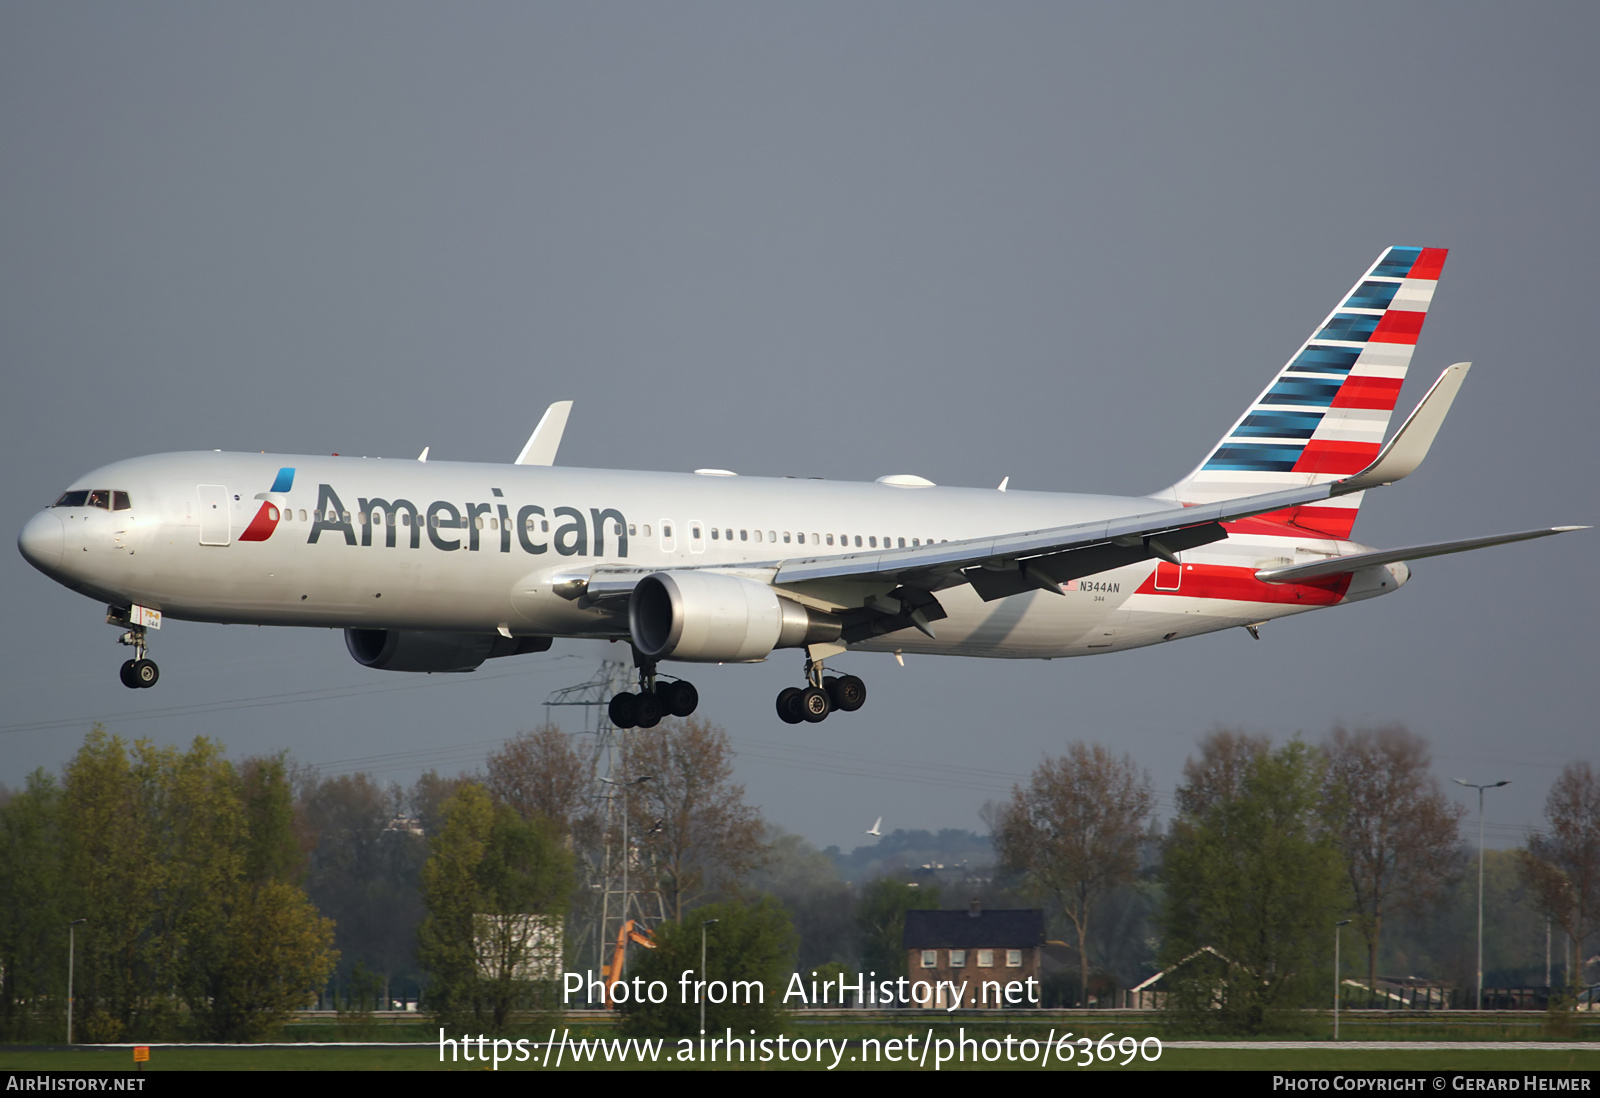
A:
[266,520]
[474,527]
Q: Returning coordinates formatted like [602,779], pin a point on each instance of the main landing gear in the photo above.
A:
[677,698]
[821,696]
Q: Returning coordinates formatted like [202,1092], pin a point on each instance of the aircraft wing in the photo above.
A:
[1335,566]
[1009,564]
[1012,563]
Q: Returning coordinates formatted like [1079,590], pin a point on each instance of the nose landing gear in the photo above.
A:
[141,671]
[821,696]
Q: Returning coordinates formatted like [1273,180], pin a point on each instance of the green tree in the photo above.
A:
[1253,880]
[881,920]
[181,897]
[33,922]
[495,886]
[752,942]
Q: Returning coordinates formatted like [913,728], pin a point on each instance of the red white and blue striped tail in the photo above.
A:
[1325,414]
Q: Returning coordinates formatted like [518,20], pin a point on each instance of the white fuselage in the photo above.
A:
[483,548]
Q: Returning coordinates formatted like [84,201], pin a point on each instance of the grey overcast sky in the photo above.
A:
[1057,242]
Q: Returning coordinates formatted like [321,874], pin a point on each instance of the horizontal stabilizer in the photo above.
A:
[1337,566]
[546,438]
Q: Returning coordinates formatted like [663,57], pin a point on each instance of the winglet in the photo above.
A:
[1410,444]
[546,438]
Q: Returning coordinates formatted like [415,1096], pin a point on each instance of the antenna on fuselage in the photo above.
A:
[424,455]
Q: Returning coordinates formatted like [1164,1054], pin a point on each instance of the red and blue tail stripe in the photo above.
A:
[1326,412]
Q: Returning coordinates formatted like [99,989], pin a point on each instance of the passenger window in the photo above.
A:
[544,526]
[634,533]
[872,543]
[758,535]
[119,501]
[772,535]
[902,543]
[914,541]
[728,534]
[830,539]
[786,537]
[858,541]
[715,533]
[647,529]
[616,529]
[666,530]
[744,535]
[302,514]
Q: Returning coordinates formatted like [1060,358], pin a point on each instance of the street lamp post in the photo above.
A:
[72,957]
[626,895]
[1480,789]
[1337,929]
[703,977]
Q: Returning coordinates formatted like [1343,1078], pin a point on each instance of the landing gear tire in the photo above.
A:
[789,705]
[679,699]
[128,678]
[847,693]
[649,710]
[814,705]
[145,673]
[624,710]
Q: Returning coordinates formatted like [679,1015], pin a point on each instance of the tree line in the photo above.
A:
[216,898]
[1269,849]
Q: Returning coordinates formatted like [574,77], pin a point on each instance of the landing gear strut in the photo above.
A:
[820,696]
[655,699]
[140,671]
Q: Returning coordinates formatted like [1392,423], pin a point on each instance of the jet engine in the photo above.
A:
[407,650]
[706,617]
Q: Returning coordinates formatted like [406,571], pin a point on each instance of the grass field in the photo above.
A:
[1255,1057]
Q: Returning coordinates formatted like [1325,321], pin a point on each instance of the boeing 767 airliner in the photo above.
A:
[438,566]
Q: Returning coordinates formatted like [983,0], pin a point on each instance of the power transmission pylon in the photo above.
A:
[612,881]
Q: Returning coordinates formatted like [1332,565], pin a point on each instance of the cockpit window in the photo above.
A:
[95,497]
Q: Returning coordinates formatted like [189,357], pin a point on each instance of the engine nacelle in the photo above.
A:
[405,650]
[707,617]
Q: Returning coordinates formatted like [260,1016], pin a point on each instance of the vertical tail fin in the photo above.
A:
[1325,414]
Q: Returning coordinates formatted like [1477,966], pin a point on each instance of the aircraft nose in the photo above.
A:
[43,540]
